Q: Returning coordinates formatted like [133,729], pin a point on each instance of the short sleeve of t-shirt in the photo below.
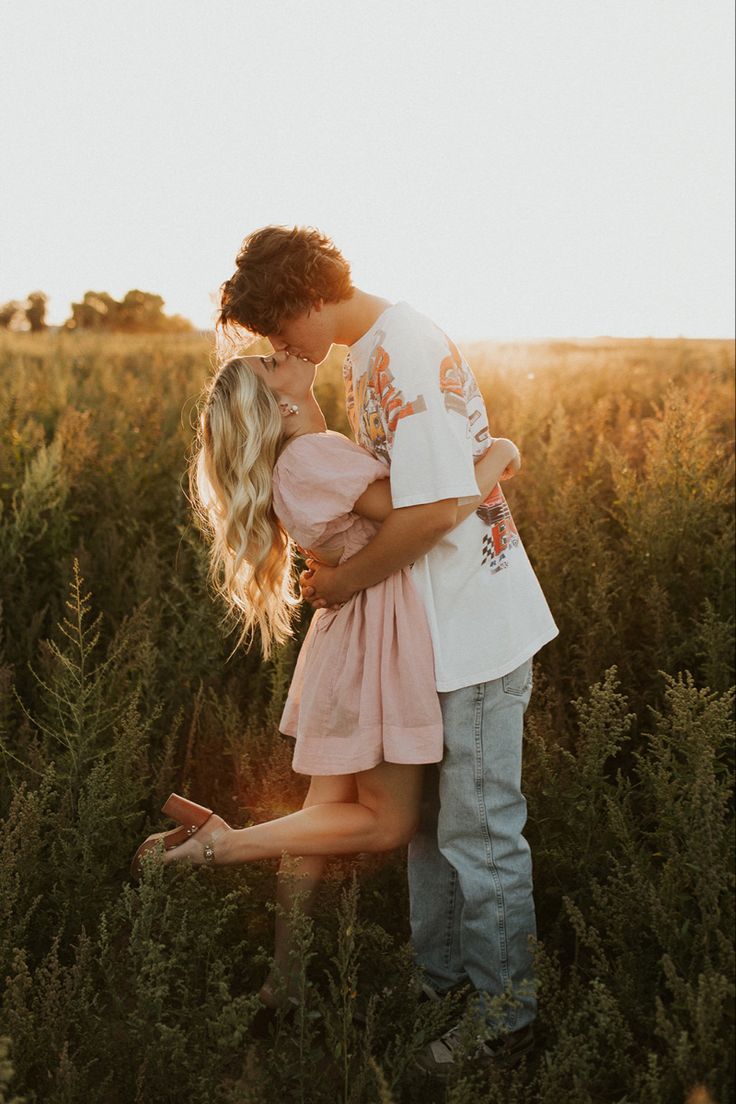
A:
[432,452]
[317,480]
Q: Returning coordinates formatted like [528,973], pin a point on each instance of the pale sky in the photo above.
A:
[552,168]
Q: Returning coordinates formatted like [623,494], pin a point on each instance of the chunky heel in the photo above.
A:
[186,812]
[190,818]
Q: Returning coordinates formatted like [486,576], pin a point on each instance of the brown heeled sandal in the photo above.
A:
[190,817]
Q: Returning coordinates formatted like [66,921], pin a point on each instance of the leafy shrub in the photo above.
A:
[116,687]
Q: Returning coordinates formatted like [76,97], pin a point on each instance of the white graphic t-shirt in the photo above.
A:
[413,401]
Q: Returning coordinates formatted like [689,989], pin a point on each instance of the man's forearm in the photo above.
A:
[404,536]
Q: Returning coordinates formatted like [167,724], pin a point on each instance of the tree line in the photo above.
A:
[137,312]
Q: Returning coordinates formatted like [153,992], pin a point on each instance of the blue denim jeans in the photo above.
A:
[470,869]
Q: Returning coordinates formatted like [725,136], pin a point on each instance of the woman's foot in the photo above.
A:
[201,847]
[199,833]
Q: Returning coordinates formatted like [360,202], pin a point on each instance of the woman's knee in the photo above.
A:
[392,791]
[400,833]
[387,835]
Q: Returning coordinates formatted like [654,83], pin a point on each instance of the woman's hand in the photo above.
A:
[514,465]
[501,461]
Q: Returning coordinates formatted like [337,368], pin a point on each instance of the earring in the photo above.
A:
[288,408]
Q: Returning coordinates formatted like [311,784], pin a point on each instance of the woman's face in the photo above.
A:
[285,374]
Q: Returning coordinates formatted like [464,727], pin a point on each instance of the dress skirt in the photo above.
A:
[363,689]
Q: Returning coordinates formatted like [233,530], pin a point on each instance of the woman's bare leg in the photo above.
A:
[384,817]
[298,880]
[374,810]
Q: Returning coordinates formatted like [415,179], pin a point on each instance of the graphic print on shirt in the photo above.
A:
[374,404]
[461,394]
[502,534]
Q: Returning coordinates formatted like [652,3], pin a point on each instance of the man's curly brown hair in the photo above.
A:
[281,273]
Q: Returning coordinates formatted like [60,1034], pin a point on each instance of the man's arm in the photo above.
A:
[405,535]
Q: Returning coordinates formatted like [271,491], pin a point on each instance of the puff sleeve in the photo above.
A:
[317,480]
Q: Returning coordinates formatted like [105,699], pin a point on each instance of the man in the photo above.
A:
[413,402]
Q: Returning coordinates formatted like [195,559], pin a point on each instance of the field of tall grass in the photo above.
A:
[116,687]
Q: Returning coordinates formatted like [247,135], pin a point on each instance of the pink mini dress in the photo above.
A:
[363,689]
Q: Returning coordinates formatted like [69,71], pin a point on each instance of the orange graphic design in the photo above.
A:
[375,405]
[390,398]
[462,395]
[453,381]
[502,535]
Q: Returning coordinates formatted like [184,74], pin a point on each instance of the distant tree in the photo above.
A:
[137,312]
[97,311]
[36,311]
[11,314]
[141,312]
[177,323]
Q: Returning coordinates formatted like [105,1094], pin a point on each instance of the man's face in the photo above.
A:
[306,336]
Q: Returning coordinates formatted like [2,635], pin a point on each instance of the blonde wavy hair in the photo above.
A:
[231,491]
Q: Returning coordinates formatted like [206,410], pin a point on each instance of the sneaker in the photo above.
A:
[438,1057]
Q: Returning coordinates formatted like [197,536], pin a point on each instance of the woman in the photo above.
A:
[362,705]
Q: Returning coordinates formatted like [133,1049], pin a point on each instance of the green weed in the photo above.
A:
[117,686]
